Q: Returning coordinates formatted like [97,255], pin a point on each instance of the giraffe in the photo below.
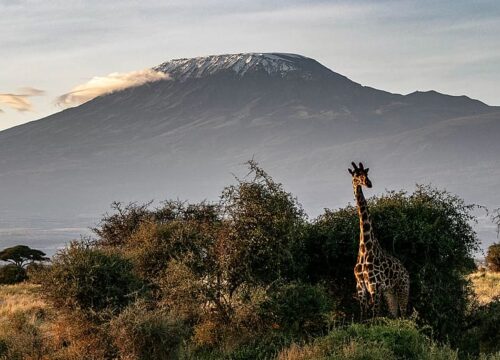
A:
[377,273]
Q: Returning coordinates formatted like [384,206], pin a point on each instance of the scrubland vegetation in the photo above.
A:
[251,277]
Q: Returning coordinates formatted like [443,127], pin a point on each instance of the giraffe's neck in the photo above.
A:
[367,241]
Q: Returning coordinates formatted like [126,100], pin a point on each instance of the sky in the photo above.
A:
[49,48]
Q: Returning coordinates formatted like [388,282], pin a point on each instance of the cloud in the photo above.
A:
[101,85]
[20,102]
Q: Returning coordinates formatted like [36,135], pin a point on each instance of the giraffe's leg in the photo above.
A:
[362,299]
[403,294]
[392,302]
[376,304]
[374,300]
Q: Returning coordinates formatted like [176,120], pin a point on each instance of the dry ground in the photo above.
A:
[486,285]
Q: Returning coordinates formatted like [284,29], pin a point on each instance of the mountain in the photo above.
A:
[183,138]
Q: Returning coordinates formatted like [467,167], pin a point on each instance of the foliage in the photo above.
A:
[114,229]
[429,230]
[21,255]
[91,280]
[264,224]
[493,257]
[74,337]
[12,274]
[483,335]
[190,230]
[21,337]
[380,340]
[298,306]
[143,333]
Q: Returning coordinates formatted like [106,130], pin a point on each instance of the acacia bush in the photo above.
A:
[91,280]
[264,225]
[190,230]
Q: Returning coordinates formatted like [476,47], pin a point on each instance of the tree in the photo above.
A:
[264,223]
[22,255]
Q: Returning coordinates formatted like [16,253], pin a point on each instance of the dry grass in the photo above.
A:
[486,285]
[22,297]
[296,352]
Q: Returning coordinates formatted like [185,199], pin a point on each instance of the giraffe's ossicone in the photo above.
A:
[378,274]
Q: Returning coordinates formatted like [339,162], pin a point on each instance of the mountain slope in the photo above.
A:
[183,137]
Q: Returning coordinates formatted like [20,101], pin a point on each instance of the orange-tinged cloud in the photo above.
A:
[101,85]
[20,102]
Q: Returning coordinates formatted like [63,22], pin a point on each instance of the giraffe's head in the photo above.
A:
[360,175]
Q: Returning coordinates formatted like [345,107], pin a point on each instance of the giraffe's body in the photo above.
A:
[377,273]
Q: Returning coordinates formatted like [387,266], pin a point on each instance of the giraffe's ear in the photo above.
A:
[366,170]
[350,172]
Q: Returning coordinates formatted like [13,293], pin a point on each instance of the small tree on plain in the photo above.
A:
[22,255]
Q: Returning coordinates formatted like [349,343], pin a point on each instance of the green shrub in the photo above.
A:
[493,258]
[266,346]
[379,340]
[12,274]
[483,335]
[141,333]
[429,231]
[91,280]
[264,224]
[298,307]
[154,244]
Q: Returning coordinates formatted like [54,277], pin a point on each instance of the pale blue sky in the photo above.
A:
[398,46]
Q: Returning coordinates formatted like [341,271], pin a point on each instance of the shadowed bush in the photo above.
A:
[380,340]
[12,274]
[141,333]
[91,280]
[302,308]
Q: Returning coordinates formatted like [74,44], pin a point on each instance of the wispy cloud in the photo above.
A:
[101,85]
[20,101]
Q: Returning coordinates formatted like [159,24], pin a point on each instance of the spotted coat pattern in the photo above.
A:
[378,274]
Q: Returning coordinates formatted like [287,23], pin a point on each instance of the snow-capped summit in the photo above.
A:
[280,64]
